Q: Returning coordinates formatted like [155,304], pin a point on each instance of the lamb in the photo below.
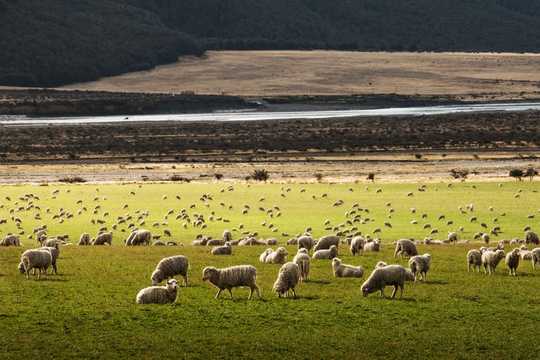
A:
[276,257]
[531,238]
[288,278]
[11,240]
[303,260]
[326,253]
[103,239]
[490,260]
[84,240]
[357,245]
[326,242]
[305,242]
[344,270]
[223,250]
[139,237]
[405,247]
[231,277]
[535,258]
[169,267]
[373,246]
[158,294]
[474,259]
[35,259]
[391,275]
[55,254]
[512,261]
[420,265]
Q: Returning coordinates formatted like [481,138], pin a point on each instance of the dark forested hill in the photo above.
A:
[50,42]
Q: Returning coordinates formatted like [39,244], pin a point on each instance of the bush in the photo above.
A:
[72,179]
[459,174]
[319,177]
[531,173]
[371,177]
[516,173]
[179,178]
[218,176]
[260,175]
[418,156]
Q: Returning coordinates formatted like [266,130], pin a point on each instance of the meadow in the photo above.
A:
[89,310]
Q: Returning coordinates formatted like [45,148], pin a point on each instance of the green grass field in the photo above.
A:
[89,310]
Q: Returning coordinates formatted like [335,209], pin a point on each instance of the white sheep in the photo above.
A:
[420,265]
[303,261]
[11,240]
[344,270]
[55,254]
[288,278]
[474,259]
[405,248]
[231,277]
[265,253]
[277,257]
[531,238]
[84,240]
[138,238]
[305,242]
[158,294]
[326,242]
[512,261]
[357,245]
[535,258]
[227,235]
[103,239]
[169,267]
[35,259]
[390,275]
[372,246]
[452,237]
[380,264]
[222,250]
[490,260]
[326,253]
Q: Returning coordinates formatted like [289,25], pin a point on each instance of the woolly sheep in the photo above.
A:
[265,253]
[344,270]
[474,259]
[35,259]
[531,238]
[452,237]
[305,242]
[490,260]
[227,235]
[158,294]
[390,275]
[231,277]
[357,245]
[215,242]
[512,261]
[169,267]
[11,240]
[55,254]
[288,278]
[103,238]
[250,241]
[223,250]
[303,261]
[277,257]
[326,253]
[535,258]
[84,240]
[420,265]
[405,247]
[373,246]
[380,264]
[138,238]
[326,242]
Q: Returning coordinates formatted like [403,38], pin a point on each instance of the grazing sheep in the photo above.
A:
[169,267]
[405,248]
[474,259]
[305,242]
[231,277]
[357,245]
[326,242]
[223,250]
[490,260]
[11,240]
[138,238]
[326,253]
[535,258]
[277,257]
[420,265]
[390,275]
[524,253]
[35,259]
[55,254]
[158,294]
[531,238]
[453,237]
[102,239]
[288,278]
[303,261]
[512,261]
[373,246]
[344,270]
[84,240]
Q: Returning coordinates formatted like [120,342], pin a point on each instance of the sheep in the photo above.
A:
[265,253]
[357,245]
[11,240]
[373,246]
[292,241]
[215,242]
[524,253]
[222,250]
[453,237]
[344,270]
[158,294]
[169,267]
[84,240]
[485,238]
[288,278]
[227,235]
[512,261]
[326,253]
[535,258]
[490,260]
[55,254]
[250,241]
[531,238]
[103,239]
[231,277]
[405,247]
[305,242]
[474,259]
[303,260]
[420,265]
[277,257]
[391,275]
[139,237]
[35,259]
[272,241]
[326,242]
[380,264]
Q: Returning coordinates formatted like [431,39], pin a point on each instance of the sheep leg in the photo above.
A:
[55,269]
[218,293]
[258,291]
[382,293]
[230,292]
[185,281]
[394,292]
[294,293]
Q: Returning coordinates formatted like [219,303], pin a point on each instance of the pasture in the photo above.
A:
[89,309]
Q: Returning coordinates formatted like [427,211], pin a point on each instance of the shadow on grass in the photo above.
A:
[319,282]
[434,282]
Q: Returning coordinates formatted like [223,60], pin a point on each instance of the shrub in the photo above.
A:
[179,178]
[218,176]
[260,175]
[459,174]
[516,173]
[371,176]
[418,156]
[72,179]
[531,173]
[319,177]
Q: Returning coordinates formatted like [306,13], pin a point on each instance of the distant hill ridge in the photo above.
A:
[55,42]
